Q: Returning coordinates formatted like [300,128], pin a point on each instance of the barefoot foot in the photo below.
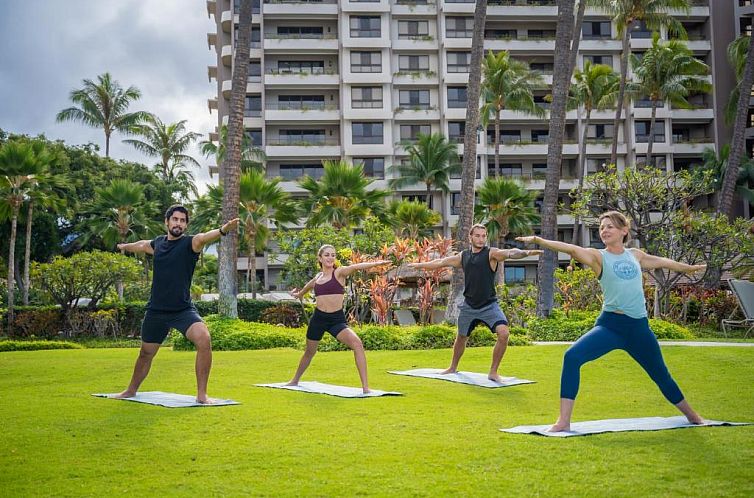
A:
[291,383]
[125,394]
[450,370]
[696,420]
[559,427]
[206,400]
[366,390]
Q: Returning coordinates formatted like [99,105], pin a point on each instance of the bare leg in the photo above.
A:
[564,420]
[309,352]
[691,415]
[503,334]
[350,339]
[199,335]
[459,346]
[141,369]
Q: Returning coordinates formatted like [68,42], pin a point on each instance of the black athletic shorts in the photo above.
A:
[322,322]
[157,324]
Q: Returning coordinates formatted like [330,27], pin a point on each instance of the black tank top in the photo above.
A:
[174,263]
[479,279]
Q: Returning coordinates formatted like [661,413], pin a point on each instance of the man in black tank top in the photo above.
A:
[170,306]
[480,304]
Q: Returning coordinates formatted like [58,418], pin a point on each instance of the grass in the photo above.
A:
[439,439]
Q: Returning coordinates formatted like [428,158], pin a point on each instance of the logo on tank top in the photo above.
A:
[625,270]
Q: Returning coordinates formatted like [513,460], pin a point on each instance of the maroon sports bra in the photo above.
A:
[330,287]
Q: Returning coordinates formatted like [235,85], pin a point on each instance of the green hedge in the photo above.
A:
[48,322]
[562,327]
[36,345]
[229,334]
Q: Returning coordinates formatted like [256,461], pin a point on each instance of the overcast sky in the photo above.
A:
[158,46]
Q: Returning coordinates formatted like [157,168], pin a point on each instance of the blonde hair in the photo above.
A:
[619,220]
[322,249]
[475,226]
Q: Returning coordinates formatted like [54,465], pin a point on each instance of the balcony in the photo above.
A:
[421,77]
[301,111]
[423,42]
[211,40]
[522,9]
[211,5]
[309,77]
[414,7]
[211,73]
[297,7]
[417,113]
[226,20]
[226,55]
[301,43]
[541,44]
[285,147]
[693,145]
[355,7]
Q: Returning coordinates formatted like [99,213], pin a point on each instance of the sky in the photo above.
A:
[158,46]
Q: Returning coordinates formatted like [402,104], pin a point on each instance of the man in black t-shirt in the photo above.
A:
[480,299]
[170,306]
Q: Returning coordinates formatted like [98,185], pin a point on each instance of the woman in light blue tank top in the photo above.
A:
[623,323]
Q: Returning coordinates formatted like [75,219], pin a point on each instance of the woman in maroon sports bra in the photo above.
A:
[328,316]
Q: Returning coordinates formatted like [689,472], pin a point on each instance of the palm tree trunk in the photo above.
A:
[580,174]
[11,266]
[231,167]
[651,142]
[429,195]
[444,214]
[497,142]
[107,143]
[738,141]
[621,93]
[468,175]
[560,86]
[27,253]
[577,35]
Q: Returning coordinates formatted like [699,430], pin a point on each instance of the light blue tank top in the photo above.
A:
[621,283]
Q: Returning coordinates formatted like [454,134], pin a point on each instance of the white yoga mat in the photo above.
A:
[474,379]
[617,425]
[340,391]
[169,400]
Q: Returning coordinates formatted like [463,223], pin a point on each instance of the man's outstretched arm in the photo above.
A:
[202,239]
[140,247]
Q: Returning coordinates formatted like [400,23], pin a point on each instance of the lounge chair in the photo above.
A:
[744,292]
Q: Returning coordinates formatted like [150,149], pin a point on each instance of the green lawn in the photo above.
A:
[439,439]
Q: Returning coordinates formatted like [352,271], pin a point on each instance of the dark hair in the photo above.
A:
[176,207]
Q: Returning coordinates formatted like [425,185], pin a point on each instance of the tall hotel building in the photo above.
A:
[356,79]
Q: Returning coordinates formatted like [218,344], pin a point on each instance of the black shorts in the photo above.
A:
[322,322]
[157,324]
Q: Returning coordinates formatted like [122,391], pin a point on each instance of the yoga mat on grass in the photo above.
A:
[332,390]
[169,400]
[471,378]
[617,425]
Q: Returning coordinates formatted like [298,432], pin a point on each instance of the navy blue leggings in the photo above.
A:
[617,331]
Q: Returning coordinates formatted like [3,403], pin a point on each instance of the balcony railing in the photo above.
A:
[680,139]
[301,1]
[303,142]
[300,106]
[301,36]
[302,71]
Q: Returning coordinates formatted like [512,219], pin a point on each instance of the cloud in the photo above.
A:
[158,46]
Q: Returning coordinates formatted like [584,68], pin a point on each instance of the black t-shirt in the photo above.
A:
[479,279]
[174,263]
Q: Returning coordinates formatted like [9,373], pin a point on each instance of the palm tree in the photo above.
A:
[252,157]
[262,201]
[506,207]
[468,173]
[718,165]
[725,201]
[103,105]
[341,197]
[168,143]
[207,209]
[413,219]
[508,84]
[595,87]
[737,51]
[560,87]
[120,213]
[668,72]
[20,164]
[230,169]
[626,13]
[51,193]
[432,161]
